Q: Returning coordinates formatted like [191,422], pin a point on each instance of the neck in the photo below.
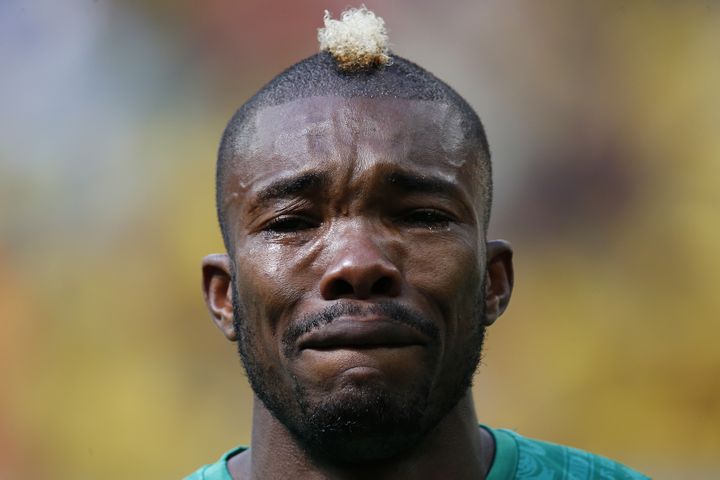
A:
[455,448]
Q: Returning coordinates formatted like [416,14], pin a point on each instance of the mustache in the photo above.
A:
[393,311]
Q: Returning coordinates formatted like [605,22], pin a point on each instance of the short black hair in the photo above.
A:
[319,75]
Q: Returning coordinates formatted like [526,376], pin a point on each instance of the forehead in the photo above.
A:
[359,133]
[383,118]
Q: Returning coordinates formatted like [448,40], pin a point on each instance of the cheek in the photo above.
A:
[268,288]
[449,274]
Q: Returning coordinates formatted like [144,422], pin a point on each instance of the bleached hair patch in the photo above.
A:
[357,41]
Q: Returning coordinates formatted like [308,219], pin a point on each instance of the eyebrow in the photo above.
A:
[292,186]
[414,183]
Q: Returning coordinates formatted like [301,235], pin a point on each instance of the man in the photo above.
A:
[354,193]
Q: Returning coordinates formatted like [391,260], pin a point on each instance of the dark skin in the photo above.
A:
[359,201]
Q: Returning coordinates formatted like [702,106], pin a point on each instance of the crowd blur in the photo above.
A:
[604,123]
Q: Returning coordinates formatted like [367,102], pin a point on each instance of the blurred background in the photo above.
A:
[604,121]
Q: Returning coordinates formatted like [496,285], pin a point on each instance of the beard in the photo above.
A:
[359,424]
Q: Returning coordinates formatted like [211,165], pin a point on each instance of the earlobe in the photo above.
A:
[499,279]
[218,292]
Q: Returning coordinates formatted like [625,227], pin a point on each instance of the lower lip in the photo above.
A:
[354,364]
[361,347]
[371,355]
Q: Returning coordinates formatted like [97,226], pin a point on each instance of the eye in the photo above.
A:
[427,218]
[290,224]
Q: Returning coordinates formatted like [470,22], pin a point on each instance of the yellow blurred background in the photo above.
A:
[604,121]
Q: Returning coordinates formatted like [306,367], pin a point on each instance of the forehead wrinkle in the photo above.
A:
[302,119]
[289,138]
[275,133]
[301,131]
[288,130]
[454,142]
[450,140]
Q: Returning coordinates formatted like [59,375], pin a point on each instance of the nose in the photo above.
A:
[360,270]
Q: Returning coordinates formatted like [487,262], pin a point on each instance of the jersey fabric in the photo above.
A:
[516,458]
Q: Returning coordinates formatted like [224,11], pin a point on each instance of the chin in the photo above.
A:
[360,424]
[358,419]
[366,413]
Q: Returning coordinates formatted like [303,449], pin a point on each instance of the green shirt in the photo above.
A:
[516,457]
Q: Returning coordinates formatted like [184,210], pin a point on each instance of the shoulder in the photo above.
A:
[217,470]
[536,459]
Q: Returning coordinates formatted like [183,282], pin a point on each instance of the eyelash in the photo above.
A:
[428,218]
[424,218]
[289,224]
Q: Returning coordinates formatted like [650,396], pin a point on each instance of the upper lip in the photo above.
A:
[362,332]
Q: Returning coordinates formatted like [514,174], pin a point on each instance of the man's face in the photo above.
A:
[359,268]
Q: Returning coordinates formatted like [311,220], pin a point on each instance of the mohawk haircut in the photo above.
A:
[322,75]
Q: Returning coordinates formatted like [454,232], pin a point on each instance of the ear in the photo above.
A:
[218,292]
[499,280]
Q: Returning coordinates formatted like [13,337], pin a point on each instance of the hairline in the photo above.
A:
[274,94]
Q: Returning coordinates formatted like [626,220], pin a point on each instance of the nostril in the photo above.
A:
[340,288]
[382,286]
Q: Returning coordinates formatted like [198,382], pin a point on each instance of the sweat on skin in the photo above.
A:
[354,193]
[387,187]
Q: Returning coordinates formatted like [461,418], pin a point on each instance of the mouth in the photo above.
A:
[362,333]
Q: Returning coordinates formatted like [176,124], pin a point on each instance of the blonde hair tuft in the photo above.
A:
[357,41]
